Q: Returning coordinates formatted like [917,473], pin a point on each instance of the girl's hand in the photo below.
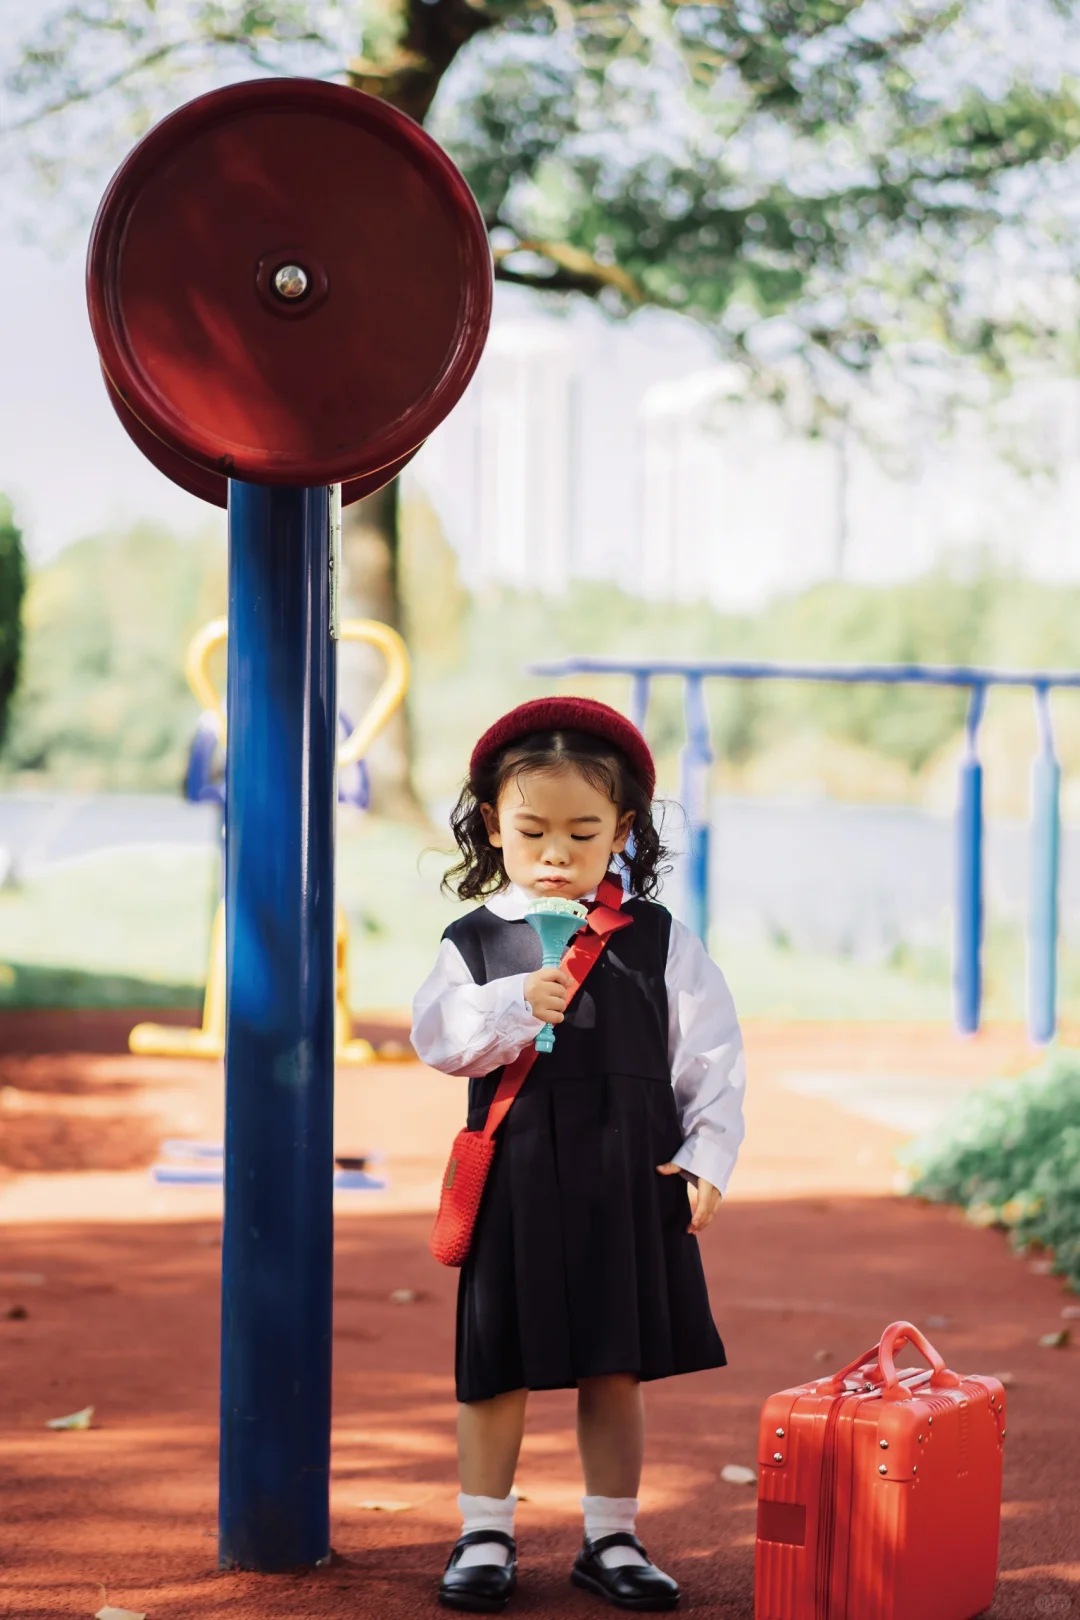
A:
[704,1198]
[547,992]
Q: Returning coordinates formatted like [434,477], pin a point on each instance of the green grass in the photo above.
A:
[25,984]
[772,981]
[141,915]
[132,927]
[388,883]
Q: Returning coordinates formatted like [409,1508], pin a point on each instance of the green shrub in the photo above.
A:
[1010,1155]
[12,587]
[103,702]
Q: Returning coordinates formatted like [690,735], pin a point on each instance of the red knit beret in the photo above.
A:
[568,714]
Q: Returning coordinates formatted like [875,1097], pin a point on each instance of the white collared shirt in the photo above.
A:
[466,1028]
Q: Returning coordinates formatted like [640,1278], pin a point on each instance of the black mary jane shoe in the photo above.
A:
[629,1586]
[480,1588]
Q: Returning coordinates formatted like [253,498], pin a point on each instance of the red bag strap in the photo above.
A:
[605,918]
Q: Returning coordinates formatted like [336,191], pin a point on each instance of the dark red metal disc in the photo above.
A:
[212,486]
[324,388]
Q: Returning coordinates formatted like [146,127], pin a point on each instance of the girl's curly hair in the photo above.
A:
[480,871]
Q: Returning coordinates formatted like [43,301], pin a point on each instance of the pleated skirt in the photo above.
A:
[581,1263]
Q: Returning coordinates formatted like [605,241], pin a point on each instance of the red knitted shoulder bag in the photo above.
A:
[473,1151]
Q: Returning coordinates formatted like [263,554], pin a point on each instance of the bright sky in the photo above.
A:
[64,458]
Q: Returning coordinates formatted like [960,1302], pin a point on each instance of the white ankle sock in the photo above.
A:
[603,1516]
[486,1513]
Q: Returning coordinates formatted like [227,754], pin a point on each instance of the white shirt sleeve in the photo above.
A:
[708,1067]
[462,1027]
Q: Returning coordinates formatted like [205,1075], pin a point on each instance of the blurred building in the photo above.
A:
[734,507]
[590,449]
[739,508]
[502,469]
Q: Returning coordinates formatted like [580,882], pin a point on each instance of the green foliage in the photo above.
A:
[840,163]
[103,702]
[527,109]
[1010,1154]
[845,163]
[471,660]
[935,620]
[12,589]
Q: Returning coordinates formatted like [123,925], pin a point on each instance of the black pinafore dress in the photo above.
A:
[581,1264]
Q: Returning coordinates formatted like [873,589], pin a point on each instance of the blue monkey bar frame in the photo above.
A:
[1043,918]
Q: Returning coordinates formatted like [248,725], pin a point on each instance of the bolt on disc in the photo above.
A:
[291,281]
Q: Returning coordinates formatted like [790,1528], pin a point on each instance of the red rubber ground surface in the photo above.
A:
[126,1318]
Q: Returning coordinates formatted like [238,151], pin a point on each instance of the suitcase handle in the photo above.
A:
[867,1363]
[879,1365]
[895,1336]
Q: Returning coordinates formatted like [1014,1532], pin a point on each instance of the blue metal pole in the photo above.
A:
[746,669]
[1043,899]
[967,970]
[639,699]
[639,712]
[279,1045]
[697,756]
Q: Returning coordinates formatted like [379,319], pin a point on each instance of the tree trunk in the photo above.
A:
[369,590]
[432,34]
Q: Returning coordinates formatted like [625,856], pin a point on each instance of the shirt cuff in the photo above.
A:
[700,1157]
[517,1016]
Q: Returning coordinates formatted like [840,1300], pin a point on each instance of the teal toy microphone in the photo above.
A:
[556,922]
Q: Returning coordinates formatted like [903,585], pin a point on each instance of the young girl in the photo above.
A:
[584,1270]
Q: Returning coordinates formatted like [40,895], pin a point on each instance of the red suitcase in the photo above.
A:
[879,1494]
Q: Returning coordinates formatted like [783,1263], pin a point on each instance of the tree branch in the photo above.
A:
[575,271]
[556,281]
[171,49]
[88,92]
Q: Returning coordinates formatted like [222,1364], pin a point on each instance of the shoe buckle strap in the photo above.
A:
[618,1538]
[475,1538]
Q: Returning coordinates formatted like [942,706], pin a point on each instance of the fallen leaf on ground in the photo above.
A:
[109,1613]
[1071,1313]
[17,1313]
[404,1296]
[74,1420]
[1055,1341]
[736,1474]
[822,1355]
[384,1507]
[937,1321]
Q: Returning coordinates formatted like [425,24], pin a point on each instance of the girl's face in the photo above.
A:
[556,831]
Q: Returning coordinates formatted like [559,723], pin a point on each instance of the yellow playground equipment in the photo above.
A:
[164,1040]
